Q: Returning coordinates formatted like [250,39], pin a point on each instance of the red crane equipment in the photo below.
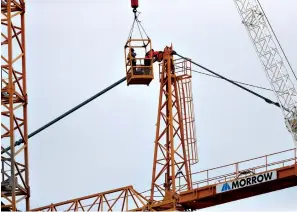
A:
[134,4]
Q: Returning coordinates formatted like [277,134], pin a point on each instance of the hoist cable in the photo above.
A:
[139,26]
[139,23]
[243,83]
[140,32]
[254,86]
[234,83]
[20,141]
[67,113]
[143,29]
[131,30]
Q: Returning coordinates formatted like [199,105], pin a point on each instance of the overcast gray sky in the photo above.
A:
[75,49]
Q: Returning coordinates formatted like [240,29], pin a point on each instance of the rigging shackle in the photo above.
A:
[134,5]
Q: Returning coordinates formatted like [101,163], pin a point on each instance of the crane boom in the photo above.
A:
[272,58]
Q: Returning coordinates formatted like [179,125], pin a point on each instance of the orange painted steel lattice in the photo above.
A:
[140,73]
[183,73]
[204,193]
[170,158]
[234,171]
[121,199]
[15,171]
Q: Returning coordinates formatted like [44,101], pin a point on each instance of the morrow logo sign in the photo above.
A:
[245,182]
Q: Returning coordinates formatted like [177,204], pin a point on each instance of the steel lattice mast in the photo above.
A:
[272,59]
[15,190]
[170,156]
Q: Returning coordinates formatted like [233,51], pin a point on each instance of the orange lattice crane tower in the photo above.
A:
[173,151]
[170,157]
[15,188]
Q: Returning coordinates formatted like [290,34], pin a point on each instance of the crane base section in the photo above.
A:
[207,196]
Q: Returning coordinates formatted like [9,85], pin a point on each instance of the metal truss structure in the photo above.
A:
[272,58]
[204,188]
[121,199]
[172,149]
[15,188]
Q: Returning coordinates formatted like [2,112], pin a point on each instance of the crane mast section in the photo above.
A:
[15,189]
[170,164]
[271,58]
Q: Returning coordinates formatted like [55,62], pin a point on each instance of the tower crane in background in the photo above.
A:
[173,185]
[273,59]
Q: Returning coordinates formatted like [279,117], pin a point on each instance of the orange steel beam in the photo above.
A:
[15,188]
[121,199]
[284,164]
[170,158]
[207,196]
[241,178]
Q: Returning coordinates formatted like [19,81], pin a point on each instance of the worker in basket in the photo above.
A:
[156,55]
[131,57]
